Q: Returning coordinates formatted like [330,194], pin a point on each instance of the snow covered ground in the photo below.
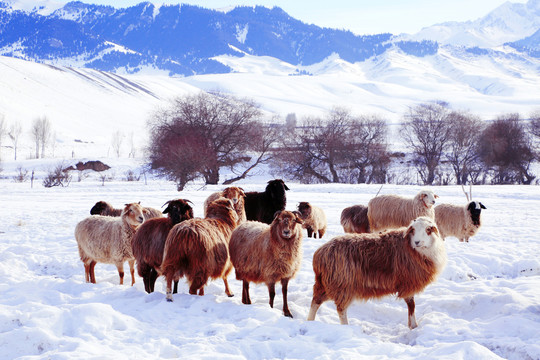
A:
[485,305]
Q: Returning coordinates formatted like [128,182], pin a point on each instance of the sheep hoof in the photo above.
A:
[288,314]
[230,295]
[169,300]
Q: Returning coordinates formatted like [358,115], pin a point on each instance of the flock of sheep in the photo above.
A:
[394,245]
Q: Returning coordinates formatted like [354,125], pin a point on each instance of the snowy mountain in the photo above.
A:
[508,23]
[179,39]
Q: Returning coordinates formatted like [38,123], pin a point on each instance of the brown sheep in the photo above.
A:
[106,209]
[354,219]
[199,248]
[314,219]
[263,253]
[108,239]
[233,193]
[149,241]
[394,211]
[366,266]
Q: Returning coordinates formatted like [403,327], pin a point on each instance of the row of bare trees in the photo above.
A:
[199,135]
[41,134]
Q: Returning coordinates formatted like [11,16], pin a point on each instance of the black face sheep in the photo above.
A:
[366,266]
[261,206]
[233,193]
[393,211]
[106,209]
[107,239]
[149,241]
[314,219]
[264,253]
[459,221]
[354,219]
[199,248]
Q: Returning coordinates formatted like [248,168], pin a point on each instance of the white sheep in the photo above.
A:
[367,266]
[394,211]
[314,219]
[107,239]
[459,221]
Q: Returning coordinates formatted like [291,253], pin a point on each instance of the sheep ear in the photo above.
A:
[276,214]
[164,211]
[242,192]
[409,233]
[436,196]
[285,186]
[482,206]
[145,211]
[431,230]
[298,215]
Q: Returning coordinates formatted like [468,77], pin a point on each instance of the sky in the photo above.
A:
[359,16]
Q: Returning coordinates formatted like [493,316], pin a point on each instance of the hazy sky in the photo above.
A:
[359,16]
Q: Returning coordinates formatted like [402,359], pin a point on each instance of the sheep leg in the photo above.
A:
[412,317]
[227,289]
[175,290]
[120,268]
[151,279]
[91,271]
[169,280]
[284,287]
[342,313]
[132,270]
[309,232]
[201,291]
[319,296]
[245,293]
[271,293]
[196,284]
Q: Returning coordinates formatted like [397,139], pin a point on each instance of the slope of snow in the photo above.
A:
[485,304]
[82,103]
[509,22]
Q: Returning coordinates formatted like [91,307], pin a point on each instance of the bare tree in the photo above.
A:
[338,148]
[506,148]
[465,131]
[41,133]
[117,139]
[427,132]
[204,133]
[15,131]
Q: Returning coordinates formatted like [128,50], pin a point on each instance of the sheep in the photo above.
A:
[261,206]
[108,239]
[106,209]
[236,195]
[365,266]
[149,241]
[199,248]
[354,219]
[459,221]
[314,219]
[393,211]
[263,253]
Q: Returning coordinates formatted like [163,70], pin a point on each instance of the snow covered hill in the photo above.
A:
[507,23]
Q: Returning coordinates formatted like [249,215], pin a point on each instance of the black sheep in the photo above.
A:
[261,206]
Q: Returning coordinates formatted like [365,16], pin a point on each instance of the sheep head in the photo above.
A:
[475,209]
[99,208]
[222,208]
[133,214]
[305,209]
[178,210]
[423,236]
[428,198]
[287,224]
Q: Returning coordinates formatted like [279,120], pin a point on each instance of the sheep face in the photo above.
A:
[276,188]
[305,209]
[424,236]
[475,208]
[286,223]
[178,210]
[133,213]
[235,194]
[428,198]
